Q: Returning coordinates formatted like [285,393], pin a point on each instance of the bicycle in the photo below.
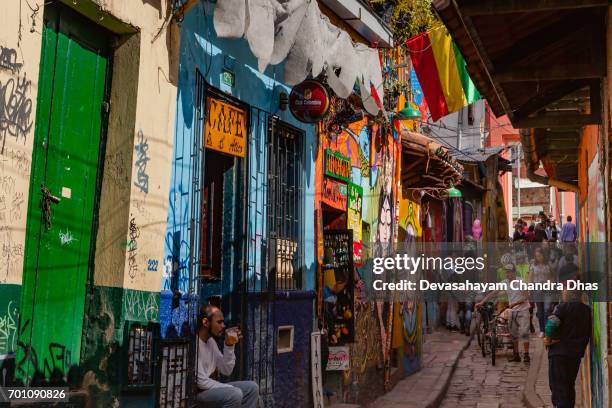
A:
[493,332]
[484,317]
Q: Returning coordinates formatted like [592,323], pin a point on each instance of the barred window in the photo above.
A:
[285,202]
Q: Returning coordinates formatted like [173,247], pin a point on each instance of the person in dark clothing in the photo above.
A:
[540,233]
[568,331]
[519,235]
[568,269]
[530,234]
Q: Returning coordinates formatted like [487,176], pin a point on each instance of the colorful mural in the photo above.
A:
[382,218]
[596,232]
[409,235]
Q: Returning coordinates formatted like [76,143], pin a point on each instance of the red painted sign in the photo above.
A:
[309,101]
[334,194]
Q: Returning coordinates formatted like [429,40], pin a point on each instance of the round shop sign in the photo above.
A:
[309,101]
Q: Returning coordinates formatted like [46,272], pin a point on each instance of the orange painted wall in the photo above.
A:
[587,150]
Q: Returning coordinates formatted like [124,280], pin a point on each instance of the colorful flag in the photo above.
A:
[442,73]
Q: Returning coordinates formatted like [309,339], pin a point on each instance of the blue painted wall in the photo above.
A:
[202,50]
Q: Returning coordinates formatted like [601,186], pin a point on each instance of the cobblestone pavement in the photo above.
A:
[476,383]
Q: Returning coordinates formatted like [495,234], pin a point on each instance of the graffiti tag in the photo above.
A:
[8,328]
[142,306]
[15,109]
[141,163]
[132,248]
[8,59]
[66,238]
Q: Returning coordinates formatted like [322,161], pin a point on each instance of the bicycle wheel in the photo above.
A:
[493,339]
[482,340]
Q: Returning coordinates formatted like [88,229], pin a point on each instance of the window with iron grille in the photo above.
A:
[140,340]
[174,356]
[285,199]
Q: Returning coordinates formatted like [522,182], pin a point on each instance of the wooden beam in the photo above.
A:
[412,165]
[488,7]
[556,32]
[551,73]
[541,101]
[595,99]
[469,26]
[557,121]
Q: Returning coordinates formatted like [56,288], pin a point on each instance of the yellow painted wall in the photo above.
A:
[139,137]
[20,42]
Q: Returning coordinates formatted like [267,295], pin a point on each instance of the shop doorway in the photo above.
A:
[70,127]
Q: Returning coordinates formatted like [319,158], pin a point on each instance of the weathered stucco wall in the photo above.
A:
[143,173]
[136,172]
[20,41]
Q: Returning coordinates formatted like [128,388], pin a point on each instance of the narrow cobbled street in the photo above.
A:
[477,383]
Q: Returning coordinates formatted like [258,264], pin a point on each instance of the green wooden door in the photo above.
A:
[69,127]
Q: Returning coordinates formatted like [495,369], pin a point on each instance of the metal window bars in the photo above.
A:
[140,352]
[174,370]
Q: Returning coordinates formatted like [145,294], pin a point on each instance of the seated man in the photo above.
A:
[213,394]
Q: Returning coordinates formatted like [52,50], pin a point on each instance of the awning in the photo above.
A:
[476,155]
[427,165]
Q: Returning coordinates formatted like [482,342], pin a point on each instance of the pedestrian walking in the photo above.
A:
[568,332]
[518,319]
[568,231]
[540,272]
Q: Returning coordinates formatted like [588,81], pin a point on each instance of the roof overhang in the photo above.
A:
[525,55]
[542,63]
[363,20]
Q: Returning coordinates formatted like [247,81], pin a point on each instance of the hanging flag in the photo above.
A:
[442,73]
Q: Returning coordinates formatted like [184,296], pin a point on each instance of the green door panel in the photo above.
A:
[69,124]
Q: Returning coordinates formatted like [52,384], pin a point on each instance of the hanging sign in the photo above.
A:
[334,194]
[354,203]
[339,359]
[315,369]
[337,165]
[225,128]
[309,101]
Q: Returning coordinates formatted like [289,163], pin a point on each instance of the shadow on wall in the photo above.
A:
[201,50]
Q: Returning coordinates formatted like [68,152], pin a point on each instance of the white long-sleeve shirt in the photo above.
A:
[211,359]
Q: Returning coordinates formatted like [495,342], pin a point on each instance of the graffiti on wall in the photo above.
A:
[8,328]
[175,271]
[15,109]
[132,248]
[142,158]
[16,120]
[366,352]
[30,364]
[140,306]
[8,60]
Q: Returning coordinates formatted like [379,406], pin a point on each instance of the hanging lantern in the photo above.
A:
[453,192]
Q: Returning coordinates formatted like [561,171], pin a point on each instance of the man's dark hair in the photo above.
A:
[206,312]
[569,218]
